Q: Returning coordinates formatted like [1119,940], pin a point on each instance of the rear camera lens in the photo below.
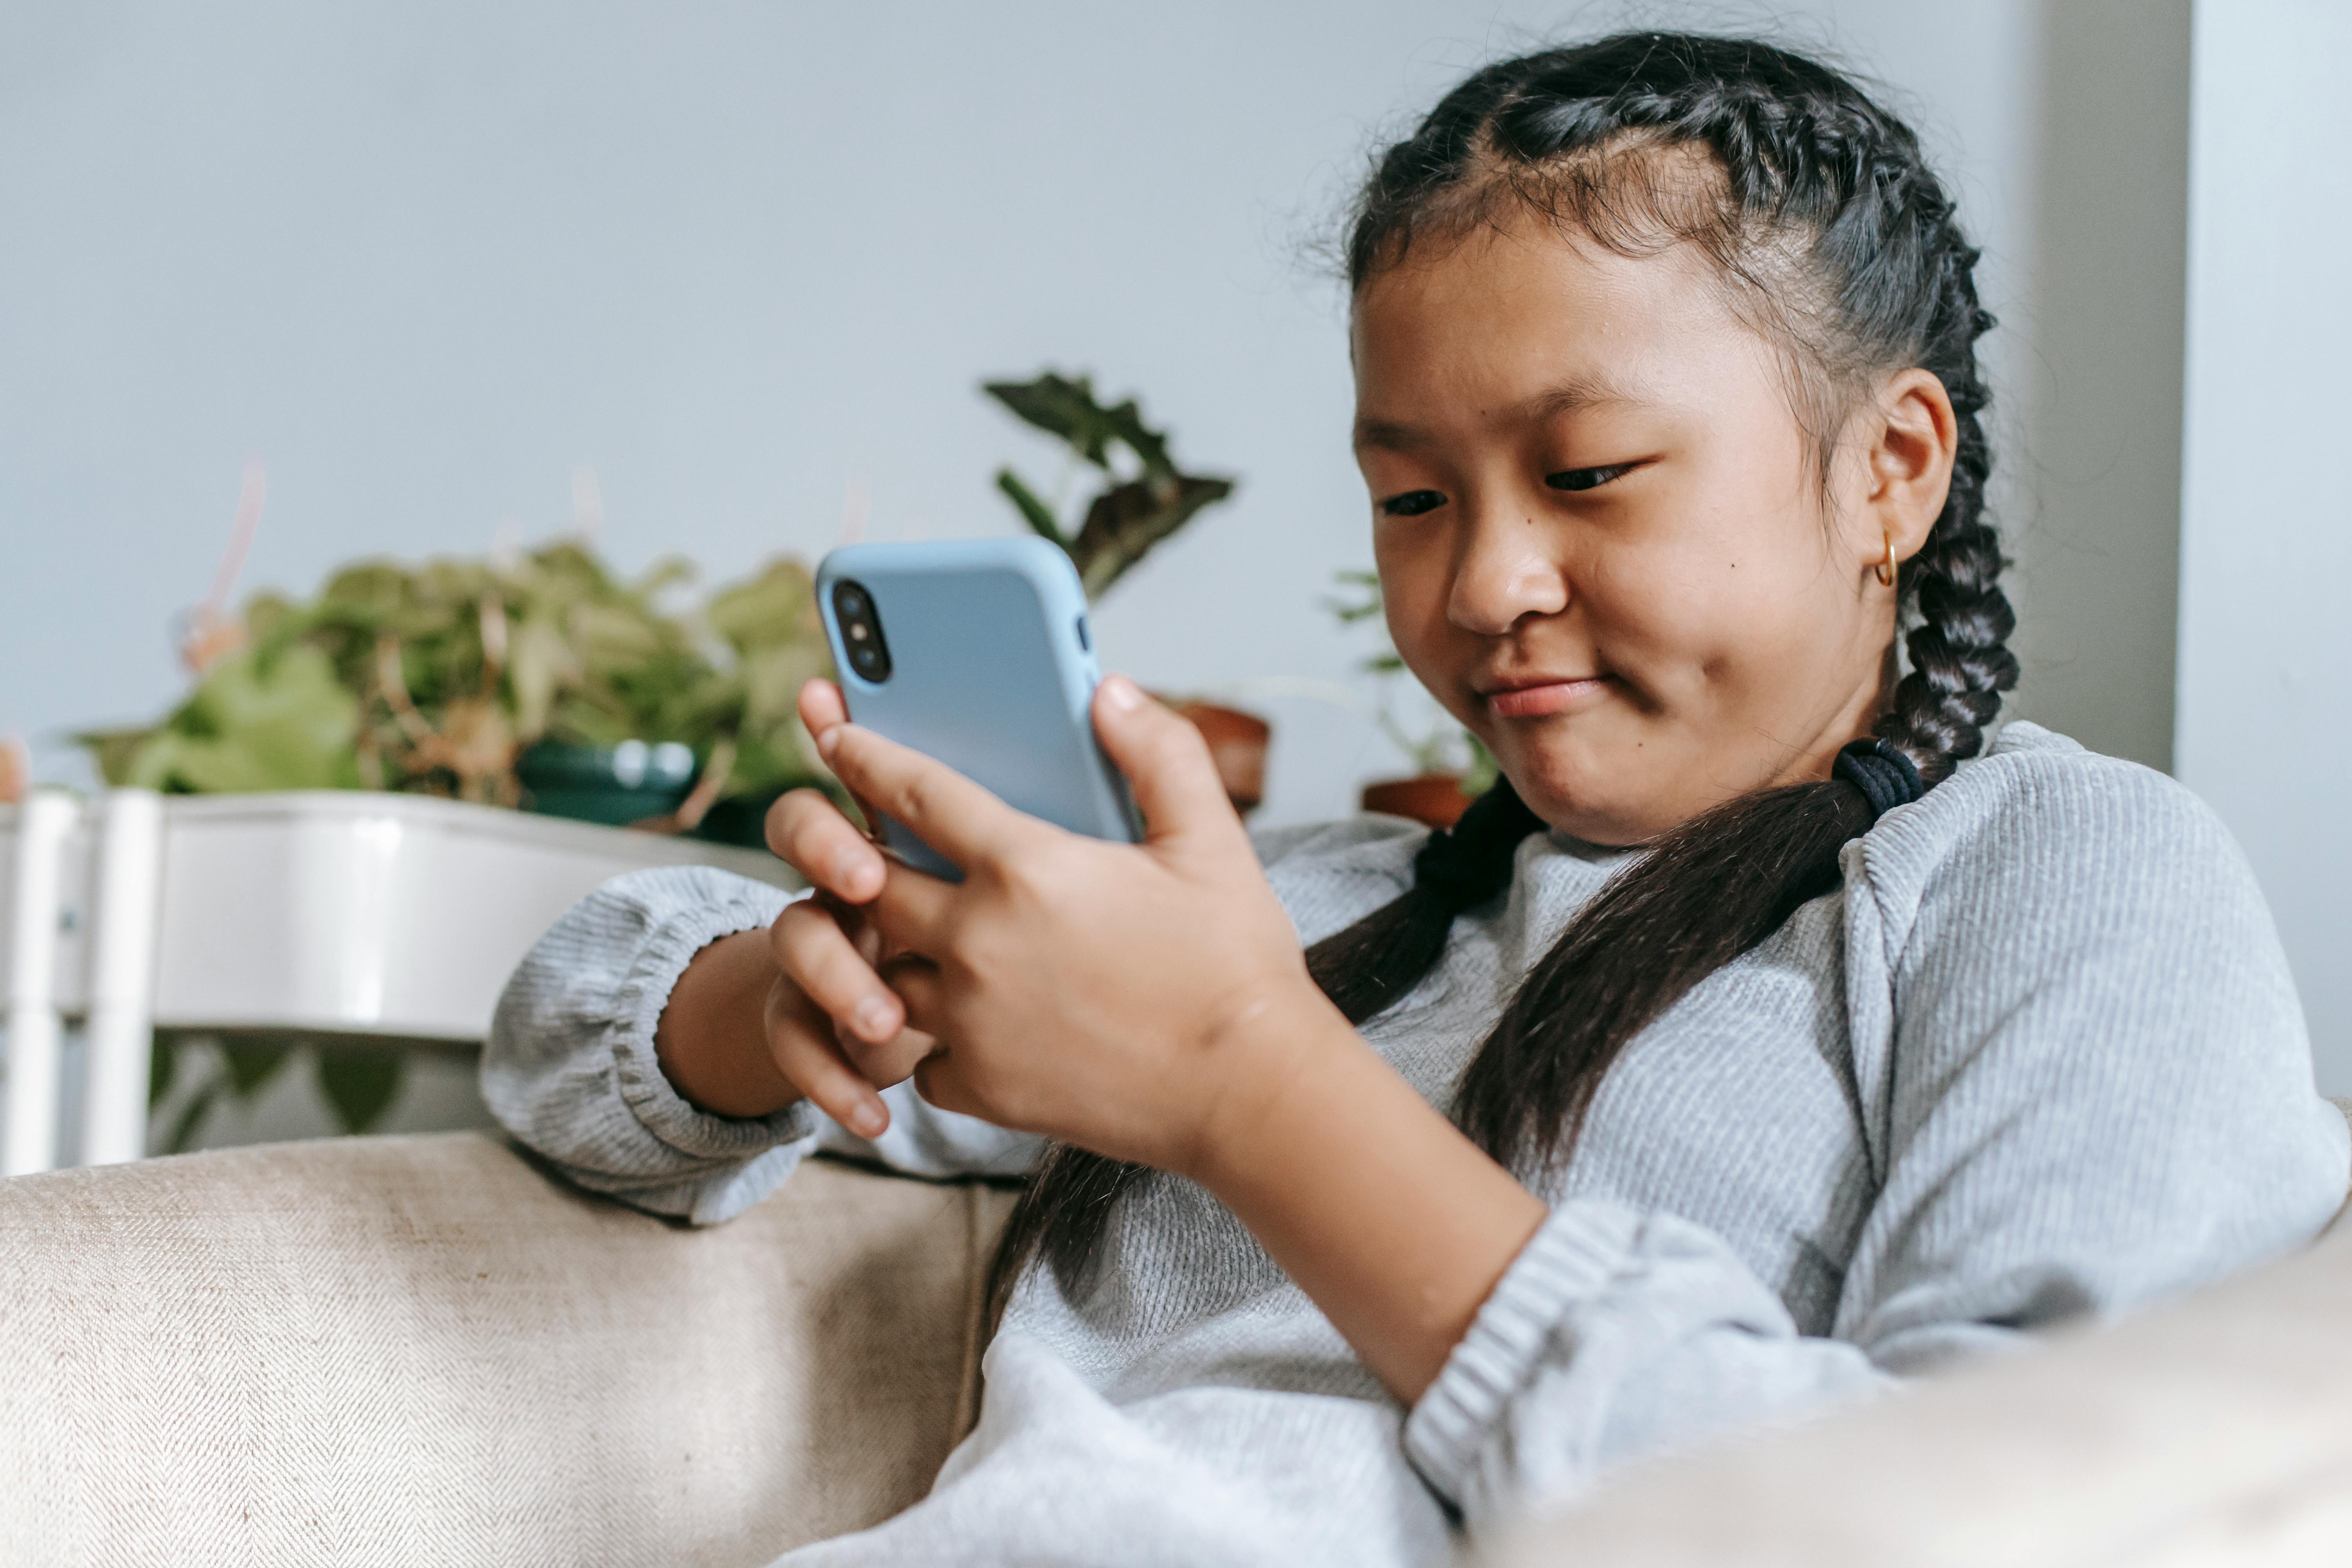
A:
[861,632]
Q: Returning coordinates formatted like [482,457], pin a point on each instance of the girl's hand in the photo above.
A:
[837,1030]
[763,1018]
[1151,1003]
[1108,994]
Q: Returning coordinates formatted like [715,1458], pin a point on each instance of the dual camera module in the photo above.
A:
[861,632]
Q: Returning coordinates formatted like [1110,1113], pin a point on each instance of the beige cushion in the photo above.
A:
[424,1350]
[408,1350]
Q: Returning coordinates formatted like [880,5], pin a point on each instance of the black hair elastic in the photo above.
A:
[1886,776]
[1471,862]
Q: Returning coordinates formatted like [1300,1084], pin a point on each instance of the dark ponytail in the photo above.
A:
[1835,238]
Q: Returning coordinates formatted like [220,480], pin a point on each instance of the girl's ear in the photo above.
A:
[1913,437]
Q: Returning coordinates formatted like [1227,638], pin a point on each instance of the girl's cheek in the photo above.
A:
[1414,587]
[1643,620]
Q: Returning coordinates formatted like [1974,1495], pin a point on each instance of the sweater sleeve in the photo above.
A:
[569,1067]
[2094,1090]
[1614,1334]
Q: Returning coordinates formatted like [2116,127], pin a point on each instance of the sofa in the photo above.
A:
[429,1349]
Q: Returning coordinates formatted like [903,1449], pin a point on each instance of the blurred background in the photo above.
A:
[722,280]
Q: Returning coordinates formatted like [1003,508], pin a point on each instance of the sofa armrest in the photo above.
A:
[2212,1430]
[426,1350]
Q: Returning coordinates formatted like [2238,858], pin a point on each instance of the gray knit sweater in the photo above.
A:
[2039,1057]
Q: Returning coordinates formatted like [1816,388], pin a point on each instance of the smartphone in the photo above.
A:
[977,652]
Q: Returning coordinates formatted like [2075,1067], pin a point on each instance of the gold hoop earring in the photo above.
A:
[1886,568]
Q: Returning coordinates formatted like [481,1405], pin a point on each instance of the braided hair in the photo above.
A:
[1831,235]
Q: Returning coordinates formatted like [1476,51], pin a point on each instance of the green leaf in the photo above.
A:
[1066,406]
[1133,514]
[113,751]
[191,1116]
[1480,775]
[360,1086]
[1126,521]
[1034,512]
[163,1062]
[540,663]
[255,724]
[666,573]
[1059,405]
[1364,605]
[772,682]
[776,607]
[250,1067]
[373,587]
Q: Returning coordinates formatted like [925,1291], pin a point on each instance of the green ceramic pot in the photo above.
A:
[740,820]
[615,785]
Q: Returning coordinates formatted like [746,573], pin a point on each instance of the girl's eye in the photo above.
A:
[1413,503]
[1587,478]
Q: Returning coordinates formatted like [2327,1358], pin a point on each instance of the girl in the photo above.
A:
[1749,1048]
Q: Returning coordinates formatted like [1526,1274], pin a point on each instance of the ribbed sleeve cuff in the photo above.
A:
[663,1112]
[1571,1257]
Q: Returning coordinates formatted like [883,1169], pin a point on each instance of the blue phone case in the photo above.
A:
[991,670]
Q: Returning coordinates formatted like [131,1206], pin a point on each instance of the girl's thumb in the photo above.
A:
[1165,761]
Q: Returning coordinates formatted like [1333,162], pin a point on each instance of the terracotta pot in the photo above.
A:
[1237,740]
[1433,798]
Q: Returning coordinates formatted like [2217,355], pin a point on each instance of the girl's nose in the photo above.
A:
[1504,572]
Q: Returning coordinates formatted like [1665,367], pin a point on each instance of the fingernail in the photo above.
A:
[1121,693]
[827,739]
[850,872]
[868,1119]
[872,1018]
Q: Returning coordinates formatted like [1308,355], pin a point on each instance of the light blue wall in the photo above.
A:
[425,259]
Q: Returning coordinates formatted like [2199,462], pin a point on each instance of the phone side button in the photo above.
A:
[1085,643]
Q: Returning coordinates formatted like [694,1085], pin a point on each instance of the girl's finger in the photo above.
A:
[911,912]
[1165,761]
[938,1080]
[818,1069]
[948,812]
[808,833]
[823,965]
[916,981]
[822,706]
[891,1061]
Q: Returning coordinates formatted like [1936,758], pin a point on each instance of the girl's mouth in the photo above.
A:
[1538,698]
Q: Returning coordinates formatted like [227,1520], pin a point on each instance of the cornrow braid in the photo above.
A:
[1833,237]
[1961,661]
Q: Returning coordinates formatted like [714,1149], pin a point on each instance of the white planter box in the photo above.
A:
[376,914]
[311,912]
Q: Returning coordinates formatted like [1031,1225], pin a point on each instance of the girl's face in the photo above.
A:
[1602,537]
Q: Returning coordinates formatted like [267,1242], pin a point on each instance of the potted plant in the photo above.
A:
[1451,767]
[535,679]
[538,680]
[1144,499]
